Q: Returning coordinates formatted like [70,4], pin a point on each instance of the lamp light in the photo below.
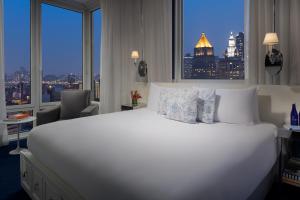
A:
[135,55]
[271,39]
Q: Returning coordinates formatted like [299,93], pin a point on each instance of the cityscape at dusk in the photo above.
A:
[213,39]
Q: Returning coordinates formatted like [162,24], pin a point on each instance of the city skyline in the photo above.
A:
[214,17]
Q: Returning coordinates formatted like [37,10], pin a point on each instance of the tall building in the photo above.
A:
[204,64]
[231,50]
[232,66]
[239,38]
[188,66]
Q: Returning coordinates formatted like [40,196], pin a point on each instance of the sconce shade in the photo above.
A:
[135,55]
[271,39]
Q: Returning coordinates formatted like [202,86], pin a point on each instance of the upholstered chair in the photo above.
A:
[74,104]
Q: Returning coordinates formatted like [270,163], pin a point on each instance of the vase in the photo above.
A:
[134,102]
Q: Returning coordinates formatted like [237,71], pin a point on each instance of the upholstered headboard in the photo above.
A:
[274,100]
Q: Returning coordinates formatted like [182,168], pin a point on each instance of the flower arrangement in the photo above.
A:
[134,97]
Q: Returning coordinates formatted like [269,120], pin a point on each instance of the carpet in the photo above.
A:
[10,187]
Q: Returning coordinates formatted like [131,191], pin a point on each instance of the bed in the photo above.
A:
[140,155]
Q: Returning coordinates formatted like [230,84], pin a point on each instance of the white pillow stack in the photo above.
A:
[235,106]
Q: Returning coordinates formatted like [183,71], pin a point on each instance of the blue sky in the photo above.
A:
[62,35]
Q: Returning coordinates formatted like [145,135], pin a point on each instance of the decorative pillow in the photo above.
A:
[182,106]
[153,97]
[206,105]
[165,95]
[237,106]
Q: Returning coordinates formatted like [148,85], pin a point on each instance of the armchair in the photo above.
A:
[74,104]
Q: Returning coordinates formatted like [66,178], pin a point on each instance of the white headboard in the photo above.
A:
[275,101]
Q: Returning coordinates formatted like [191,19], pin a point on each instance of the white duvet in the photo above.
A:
[139,155]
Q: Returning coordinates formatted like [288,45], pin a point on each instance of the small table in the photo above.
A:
[17,122]
[130,107]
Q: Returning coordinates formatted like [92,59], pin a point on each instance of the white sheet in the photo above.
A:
[139,155]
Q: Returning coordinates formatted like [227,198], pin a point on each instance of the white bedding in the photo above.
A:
[139,155]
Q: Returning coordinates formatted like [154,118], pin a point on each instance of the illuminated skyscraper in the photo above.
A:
[204,64]
[231,50]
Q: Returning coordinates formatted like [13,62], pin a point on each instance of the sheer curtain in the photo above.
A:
[3,130]
[121,33]
[288,29]
[120,29]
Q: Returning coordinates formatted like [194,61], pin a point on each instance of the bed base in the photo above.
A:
[40,183]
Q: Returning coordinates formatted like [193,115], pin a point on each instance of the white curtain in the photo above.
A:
[158,39]
[121,34]
[119,37]
[288,29]
[3,129]
[288,23]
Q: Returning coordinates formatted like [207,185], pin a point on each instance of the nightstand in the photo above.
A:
[130,107]
[289,167]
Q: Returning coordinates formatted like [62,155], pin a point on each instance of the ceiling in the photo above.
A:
[77,4]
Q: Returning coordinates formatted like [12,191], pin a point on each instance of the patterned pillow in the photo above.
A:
[182,105]
[165,94]
[206,105]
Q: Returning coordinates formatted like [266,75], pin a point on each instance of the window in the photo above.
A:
[17,52]
[96,44]
[213,41]
[61,51]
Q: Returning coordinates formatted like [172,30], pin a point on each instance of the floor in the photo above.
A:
[10,188]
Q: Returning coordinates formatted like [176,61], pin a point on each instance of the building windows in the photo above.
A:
[213,39]
[61,51]
[17,52]
[96,48]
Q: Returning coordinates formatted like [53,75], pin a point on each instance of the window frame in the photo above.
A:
[92,53]
[36,53]
[178,34]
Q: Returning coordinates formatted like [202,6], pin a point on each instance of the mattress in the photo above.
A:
[140,155]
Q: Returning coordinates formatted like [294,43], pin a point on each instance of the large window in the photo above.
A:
[96,44]
[213,43]
[17,52]
[61,51]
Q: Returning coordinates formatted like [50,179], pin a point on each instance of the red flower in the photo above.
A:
[135,95]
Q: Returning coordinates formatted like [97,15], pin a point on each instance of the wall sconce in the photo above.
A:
[135,56]
[142,66]
[274,58]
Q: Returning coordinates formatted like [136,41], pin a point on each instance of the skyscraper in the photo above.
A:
[204,64]
[239,38]
[232,66]
[231,50]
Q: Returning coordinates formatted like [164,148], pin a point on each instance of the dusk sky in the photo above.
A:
[62,35]
[217,18]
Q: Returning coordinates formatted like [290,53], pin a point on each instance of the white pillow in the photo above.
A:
[153,97]
[236,106]
[182,106]
[206,105]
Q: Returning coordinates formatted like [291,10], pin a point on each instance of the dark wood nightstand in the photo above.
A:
[290,166]
[130,107]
